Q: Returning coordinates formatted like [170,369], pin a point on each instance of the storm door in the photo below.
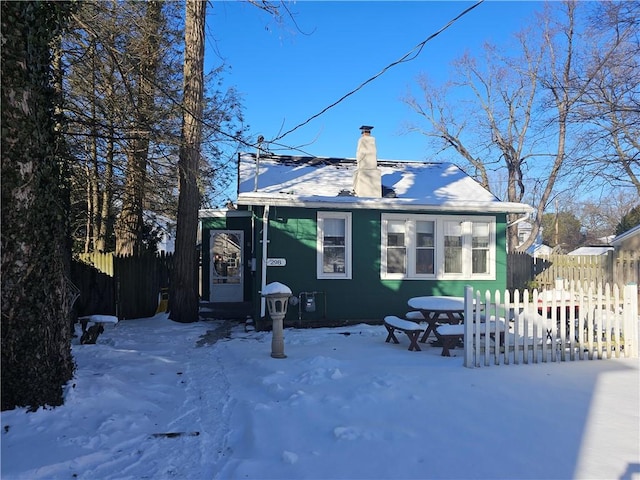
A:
[226,266]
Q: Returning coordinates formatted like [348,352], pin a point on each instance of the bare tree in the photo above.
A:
[599,218]
[183,294]
[610,108]
[506,97]
[514,112]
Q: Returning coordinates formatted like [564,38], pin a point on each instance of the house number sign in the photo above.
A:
[276,262]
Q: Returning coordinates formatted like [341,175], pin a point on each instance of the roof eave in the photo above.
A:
[383,204]
[625,235]
[222,213]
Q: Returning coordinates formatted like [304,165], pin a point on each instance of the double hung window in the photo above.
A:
[334,245]
[408,247]
[480,247]
[396,246]
[425,247]
[453,247]
[428,246]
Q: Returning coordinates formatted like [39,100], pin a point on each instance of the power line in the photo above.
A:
[411,55]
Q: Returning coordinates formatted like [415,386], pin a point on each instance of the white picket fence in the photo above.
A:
[568,323]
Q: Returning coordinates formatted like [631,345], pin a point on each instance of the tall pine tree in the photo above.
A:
[183,294]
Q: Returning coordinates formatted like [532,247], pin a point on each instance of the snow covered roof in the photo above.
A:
[594,250]
[539,250]
[319,182]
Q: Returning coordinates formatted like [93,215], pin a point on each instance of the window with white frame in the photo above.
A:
[453,247]
[425,247]
[334,245]
[429,246]
[396,246]
[480,247]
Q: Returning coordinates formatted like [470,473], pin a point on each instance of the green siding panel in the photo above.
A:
[365,297]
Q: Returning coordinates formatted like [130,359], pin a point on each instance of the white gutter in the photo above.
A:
[222,213]
[263,270]
[385,204]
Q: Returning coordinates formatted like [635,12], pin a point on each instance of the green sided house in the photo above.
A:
[353,239]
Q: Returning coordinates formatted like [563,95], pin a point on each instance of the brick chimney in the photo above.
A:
[367,179]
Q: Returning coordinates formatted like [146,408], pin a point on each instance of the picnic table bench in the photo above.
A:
[93,326]
[411,329]
[450,335]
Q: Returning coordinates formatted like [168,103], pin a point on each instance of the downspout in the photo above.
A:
[518,220]
[263,270]
[525,216]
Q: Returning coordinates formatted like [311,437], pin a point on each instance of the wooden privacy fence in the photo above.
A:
[97,292]
[137,281]
[103,262]
[520,270]
[615,268]
[568,323]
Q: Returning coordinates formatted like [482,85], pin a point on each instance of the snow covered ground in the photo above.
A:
[156,399]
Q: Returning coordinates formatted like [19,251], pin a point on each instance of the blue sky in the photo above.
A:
[286,75]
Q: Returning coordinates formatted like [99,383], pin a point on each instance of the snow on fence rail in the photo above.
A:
[563,324]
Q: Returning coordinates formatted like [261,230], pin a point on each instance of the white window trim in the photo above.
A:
[439,222]
[346,275]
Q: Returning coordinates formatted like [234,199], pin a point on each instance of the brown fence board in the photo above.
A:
[97,293]
[136,282]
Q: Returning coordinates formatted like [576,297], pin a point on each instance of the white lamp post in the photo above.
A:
[277,296]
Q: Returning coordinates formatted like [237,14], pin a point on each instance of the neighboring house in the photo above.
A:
[627,244]
[524,231]
[538,250]
[353,239]
[594,250]
[629,240]
[165,229]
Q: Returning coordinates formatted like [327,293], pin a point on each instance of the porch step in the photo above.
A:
[225,310]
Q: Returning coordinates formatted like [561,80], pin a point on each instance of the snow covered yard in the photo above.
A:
[156,399]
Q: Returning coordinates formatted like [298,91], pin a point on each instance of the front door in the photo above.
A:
[226,266]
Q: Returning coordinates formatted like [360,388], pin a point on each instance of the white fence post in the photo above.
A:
[468,327]
[568,325]
[630,320]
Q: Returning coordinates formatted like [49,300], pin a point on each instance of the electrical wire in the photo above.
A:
[411,55]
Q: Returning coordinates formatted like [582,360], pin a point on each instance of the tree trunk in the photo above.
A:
[130,225]
[36,293]
[94,175]
[183,294]
[106,223]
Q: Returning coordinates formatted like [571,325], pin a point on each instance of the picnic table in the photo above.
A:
[438,309]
